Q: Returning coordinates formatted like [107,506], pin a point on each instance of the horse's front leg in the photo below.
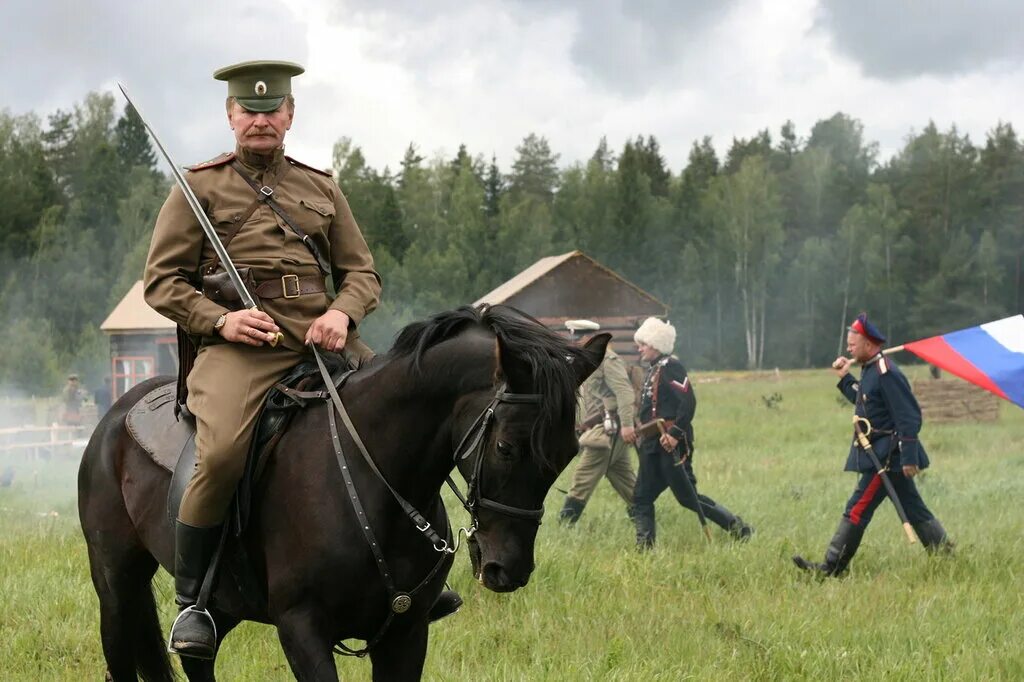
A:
[306,646]
[400,654]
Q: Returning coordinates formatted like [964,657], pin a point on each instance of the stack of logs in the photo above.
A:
[953,400]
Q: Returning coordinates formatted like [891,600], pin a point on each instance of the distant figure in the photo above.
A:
[71,402]
[103,397]
[7,477]
[935,372]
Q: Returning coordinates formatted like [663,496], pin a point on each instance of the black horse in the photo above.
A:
[490,386]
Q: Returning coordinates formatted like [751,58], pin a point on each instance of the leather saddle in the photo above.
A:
[170,440]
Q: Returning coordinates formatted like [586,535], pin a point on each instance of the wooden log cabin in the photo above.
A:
[574,286]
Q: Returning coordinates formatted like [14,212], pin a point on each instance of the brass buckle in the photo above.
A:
[284,286]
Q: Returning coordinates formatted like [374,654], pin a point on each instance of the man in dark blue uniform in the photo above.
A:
[666,451]
[882,397]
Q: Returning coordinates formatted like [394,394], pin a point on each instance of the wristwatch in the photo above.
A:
[219,324]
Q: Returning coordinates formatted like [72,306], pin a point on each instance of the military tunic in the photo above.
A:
[884,398]
[606,391]
[229,380]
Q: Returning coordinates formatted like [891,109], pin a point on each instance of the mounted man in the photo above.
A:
[286,226]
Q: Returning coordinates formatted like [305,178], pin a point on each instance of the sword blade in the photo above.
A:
[193,202]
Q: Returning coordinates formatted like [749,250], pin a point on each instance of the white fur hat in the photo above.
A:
[661,336]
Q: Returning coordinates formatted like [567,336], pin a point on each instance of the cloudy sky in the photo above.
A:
[444,72]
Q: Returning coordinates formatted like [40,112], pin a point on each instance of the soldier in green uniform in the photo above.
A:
[236,364]
[607,431]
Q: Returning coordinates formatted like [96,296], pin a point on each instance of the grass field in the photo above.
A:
[596,610]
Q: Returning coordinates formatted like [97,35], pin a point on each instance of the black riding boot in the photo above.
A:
[571,510]
[933,537]
[738,529]
[447,603]
[643,517]
[193,633]
[840,551]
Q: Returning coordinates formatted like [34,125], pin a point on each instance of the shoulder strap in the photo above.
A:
[318,171]
[224,158]
[265,195]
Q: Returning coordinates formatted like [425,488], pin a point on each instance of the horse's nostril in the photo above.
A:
[496,578]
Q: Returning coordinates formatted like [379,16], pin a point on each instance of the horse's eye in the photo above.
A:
[506,449]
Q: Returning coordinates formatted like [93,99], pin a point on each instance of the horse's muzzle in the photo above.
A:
[497,579]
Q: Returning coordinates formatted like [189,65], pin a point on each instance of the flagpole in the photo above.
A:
[894,349]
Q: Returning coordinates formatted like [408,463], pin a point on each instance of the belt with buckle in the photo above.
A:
[290,286]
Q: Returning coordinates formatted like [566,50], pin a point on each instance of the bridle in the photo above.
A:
[472,444]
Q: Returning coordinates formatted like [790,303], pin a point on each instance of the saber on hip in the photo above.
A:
[865,444]
[204,221]
[692,489]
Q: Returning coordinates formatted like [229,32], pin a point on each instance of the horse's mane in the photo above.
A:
[549,357]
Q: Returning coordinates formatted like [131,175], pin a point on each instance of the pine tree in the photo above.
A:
[494,187]
[534,171]
[133,145]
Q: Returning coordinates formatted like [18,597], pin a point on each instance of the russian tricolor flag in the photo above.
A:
[990,356]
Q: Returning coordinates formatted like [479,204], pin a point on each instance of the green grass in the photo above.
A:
[595,609]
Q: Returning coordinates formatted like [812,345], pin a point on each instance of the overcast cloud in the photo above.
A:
[445,72]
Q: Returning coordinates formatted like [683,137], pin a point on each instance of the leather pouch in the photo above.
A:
[219,289]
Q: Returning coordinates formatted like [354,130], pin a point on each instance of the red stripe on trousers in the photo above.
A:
[865,499]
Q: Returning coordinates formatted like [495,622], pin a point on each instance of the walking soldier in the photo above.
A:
[667,407]
[888,419]
[606,431]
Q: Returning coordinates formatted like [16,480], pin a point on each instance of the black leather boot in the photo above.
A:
[643,517]
[718,514]
[840,551]
[933,537]
[740,530]
[447,603]
[571,510]
[193,632]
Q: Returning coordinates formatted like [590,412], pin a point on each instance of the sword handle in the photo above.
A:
[278,337]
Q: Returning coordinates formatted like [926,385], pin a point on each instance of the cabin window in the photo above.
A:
[131,370]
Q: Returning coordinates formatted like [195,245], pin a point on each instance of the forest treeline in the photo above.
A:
[763,255]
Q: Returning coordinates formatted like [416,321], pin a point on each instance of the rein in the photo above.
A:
[400,602]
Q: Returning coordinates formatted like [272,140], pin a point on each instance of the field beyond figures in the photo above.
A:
[769,447]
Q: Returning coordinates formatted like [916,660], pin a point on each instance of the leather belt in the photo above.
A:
[290,286]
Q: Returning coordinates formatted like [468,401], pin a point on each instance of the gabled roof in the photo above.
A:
[525,278]
[133,315]
[574,284]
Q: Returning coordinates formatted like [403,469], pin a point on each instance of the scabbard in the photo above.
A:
[692,489]
[865,445]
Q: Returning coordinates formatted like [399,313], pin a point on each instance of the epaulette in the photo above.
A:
[883,365]
[226,157]
[310,168]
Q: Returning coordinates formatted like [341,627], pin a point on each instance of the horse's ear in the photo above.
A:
[593,356]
